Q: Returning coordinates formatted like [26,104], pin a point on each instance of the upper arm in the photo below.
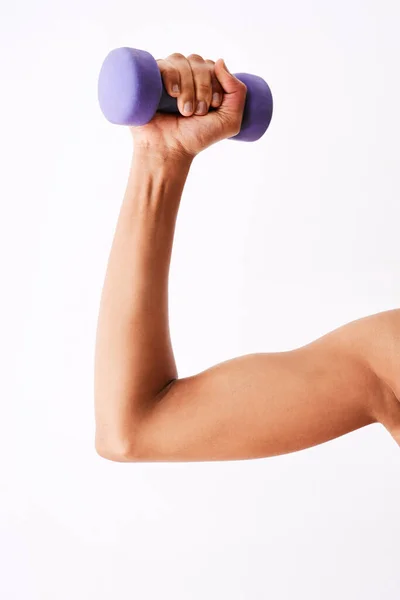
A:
[260,405]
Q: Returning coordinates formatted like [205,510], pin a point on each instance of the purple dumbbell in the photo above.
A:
[131,91]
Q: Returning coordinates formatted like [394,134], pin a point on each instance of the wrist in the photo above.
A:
[156,181]
[170,161]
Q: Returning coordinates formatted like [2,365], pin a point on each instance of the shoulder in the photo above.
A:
[374,342]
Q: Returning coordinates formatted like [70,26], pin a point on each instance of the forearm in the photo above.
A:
[134,359]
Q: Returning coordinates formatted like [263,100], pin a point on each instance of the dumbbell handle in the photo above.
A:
[167,103]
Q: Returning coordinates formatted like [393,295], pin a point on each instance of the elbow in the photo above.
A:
[118,449]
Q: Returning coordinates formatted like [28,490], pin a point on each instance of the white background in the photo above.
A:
[277,242]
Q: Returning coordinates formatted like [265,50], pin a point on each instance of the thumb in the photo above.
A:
[230,84]
[235,90]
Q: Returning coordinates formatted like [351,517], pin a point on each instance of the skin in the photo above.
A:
[253,406]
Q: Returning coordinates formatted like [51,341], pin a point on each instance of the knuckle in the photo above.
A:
[174,75]
[187,90]
[176,56]
[195,58]
[203,88]
[171,73]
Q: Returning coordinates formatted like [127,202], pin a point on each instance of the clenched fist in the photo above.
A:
[198,84]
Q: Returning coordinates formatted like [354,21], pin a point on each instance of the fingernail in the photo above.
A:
[175,88]
[216,98]
[188,108]
[201,107]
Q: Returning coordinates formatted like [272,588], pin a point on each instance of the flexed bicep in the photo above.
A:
[261,405]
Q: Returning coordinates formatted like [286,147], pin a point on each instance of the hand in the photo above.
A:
[197,84]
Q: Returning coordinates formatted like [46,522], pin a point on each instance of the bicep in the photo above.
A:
[260,405]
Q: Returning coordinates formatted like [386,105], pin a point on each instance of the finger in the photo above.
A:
[234,98]
[202,83]
[217,91]
[170,76]
[230,84]
[186,96]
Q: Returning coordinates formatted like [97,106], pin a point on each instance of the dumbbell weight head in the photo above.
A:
[131,91]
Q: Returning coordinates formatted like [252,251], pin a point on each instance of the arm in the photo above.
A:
[252,406]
